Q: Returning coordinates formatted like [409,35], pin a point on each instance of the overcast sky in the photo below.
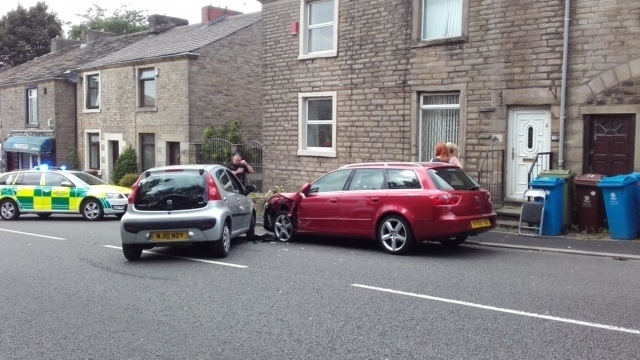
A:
[184,9]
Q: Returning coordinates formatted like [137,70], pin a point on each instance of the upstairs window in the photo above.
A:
[319,31]
[32,106]
[317,120]
[441,19]
[92,92]
[147,88]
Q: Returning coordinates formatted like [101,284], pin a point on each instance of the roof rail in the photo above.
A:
[383,163]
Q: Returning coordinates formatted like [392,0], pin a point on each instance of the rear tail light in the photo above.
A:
[214,193]
[134,191]
[445,199]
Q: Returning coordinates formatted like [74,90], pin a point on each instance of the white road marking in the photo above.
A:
[32,234]
[509,311]
[184,257]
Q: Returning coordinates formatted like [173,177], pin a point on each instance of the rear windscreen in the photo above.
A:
[172,191]
[452,179]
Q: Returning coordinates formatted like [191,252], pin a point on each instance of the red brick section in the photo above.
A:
[212,13]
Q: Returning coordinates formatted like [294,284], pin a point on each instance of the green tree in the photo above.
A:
[127,163]
[122,21]
[26,34]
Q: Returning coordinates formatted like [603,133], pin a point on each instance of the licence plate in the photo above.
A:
[170,236]
[480,223]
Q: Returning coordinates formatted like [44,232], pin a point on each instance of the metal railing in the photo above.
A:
[491,176]
[219,151]
[542,162]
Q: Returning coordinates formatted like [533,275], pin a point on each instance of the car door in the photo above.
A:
[318,210]
[27,190]
[361,202]
[230,188]
[55,197]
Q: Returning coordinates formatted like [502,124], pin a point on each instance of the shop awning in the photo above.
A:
[29,144]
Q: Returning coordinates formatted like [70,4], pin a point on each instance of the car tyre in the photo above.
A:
[132,252]
[395,236]
[222,247]
[44,215]
[251,233]
[283,226]
[92,210]
[452,242]
[9,210]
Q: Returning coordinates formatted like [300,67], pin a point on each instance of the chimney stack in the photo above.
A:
[160,23]
[212,13]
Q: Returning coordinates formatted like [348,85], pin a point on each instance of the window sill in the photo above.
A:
[91,110]
[317,152]
[147,109]
[443,41]
[324,54]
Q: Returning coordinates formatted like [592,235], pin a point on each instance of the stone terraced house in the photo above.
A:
[357,81]
[156,94]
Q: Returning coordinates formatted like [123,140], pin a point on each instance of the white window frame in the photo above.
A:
[422,122]
[303,150]
[32,106]
[304,31]
[85,87]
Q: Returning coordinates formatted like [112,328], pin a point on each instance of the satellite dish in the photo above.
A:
[73,77]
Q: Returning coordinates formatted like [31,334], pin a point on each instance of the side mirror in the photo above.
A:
[249,189]
[66,183]
[305,189]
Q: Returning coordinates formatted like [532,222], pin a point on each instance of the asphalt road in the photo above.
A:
[66,292]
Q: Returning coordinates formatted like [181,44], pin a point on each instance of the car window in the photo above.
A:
[237,186]
[29,178]
[452,179]
[403,179]
[53,179]
[367,179]
[7,179]
[224,179]
[88,178]
[175,190]
[334,181]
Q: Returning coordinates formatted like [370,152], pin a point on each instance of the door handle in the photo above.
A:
[375,199]
[513,153]
[333,200]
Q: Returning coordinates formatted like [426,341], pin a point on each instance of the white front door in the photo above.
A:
[529,134]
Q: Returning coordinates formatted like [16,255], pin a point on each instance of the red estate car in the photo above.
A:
[399,204]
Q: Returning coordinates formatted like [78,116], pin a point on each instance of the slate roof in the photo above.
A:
[53,65]
[179,40]
[126,48]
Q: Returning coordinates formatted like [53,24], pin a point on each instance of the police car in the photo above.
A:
[45,191]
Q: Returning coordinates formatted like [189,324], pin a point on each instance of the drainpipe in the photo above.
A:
[563,90]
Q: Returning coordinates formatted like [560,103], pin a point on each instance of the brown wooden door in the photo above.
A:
[610,144]
[174,153]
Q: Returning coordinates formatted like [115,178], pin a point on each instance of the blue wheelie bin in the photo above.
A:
[620,196]
[552,223]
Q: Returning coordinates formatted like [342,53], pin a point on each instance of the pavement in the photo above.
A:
[573,242]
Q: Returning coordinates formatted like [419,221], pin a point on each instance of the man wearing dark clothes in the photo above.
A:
[240,167]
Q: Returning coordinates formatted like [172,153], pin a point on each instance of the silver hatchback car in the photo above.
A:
[182,205]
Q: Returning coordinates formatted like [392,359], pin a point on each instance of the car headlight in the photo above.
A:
[115,196]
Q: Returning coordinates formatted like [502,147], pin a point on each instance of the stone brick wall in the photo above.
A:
[225,84]
[510,56]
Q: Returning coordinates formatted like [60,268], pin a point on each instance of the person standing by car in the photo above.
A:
[240,167]
[442,153]
[453,155]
